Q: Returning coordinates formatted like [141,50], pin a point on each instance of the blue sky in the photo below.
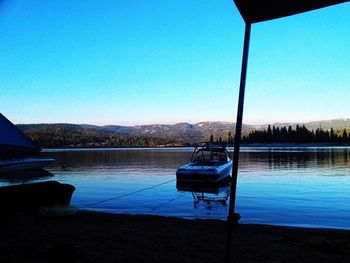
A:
[140,62]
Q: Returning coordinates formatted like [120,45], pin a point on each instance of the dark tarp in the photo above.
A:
[13,143]
[254,11]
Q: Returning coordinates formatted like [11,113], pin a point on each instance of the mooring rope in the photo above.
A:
[166,202]
[123,195]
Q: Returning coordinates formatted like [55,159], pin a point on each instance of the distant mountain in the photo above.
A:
[336,124]
[154,134]
[328,124]
[180,131]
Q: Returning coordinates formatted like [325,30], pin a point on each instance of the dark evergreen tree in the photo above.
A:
[269,134]
[229,139]
[344,136]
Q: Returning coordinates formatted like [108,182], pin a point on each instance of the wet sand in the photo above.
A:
[101,237]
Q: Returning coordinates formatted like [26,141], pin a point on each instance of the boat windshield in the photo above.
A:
[209,157]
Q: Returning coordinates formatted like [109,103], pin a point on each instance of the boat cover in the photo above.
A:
[254,11]
[13,143]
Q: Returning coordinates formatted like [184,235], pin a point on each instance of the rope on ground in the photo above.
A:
[123,195]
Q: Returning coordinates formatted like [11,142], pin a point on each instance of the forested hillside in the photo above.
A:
[182,134]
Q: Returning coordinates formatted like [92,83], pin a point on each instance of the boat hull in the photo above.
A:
[21,164]
[35,195]
[190,173]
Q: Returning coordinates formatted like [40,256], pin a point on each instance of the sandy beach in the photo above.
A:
[102,237]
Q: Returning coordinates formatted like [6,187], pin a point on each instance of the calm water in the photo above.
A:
[284,186]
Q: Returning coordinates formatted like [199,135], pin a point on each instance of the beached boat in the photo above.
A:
[35,195]
[18,152]
[210,163]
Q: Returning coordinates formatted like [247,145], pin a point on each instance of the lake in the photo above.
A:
[283,186]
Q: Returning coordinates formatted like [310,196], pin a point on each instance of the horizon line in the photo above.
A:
[191,123]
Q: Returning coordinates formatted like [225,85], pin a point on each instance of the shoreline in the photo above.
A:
[102,237]
[252,145]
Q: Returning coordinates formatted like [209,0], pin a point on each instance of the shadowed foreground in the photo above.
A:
[97,237]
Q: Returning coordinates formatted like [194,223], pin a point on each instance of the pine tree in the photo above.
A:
[345,136]
[269,134]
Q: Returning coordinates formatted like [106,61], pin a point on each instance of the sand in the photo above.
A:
[100,237]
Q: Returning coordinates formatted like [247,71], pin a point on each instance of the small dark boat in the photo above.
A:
[19,157]
[210,163]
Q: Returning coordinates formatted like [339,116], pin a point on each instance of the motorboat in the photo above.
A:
[17,151]
[210,163]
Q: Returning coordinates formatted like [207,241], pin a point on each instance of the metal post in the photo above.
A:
[231,219]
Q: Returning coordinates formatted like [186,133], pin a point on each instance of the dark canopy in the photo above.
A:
[254,11]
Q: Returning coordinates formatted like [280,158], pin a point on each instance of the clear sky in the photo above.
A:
[140,62]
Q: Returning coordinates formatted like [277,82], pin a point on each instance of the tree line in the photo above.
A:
[66,137]
[62,137]
[298,135]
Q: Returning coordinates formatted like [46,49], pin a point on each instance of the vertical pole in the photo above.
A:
[231,219]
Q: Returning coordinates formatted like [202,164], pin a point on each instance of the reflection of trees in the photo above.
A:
[269,158]
[316,158]
[122,158]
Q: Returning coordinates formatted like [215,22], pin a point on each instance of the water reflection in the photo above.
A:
[250,158]
[206,196]
[21,177]
[288,186]
[117,158]
[290,158]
